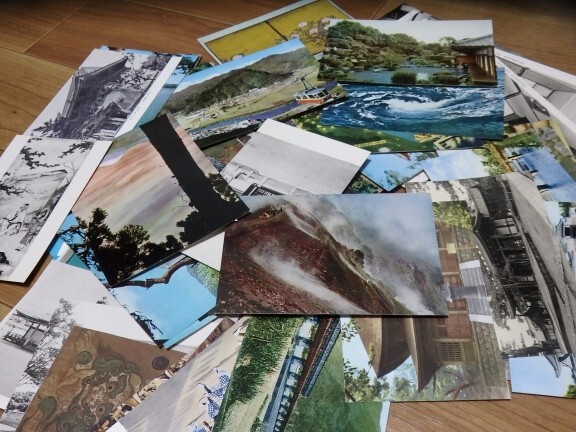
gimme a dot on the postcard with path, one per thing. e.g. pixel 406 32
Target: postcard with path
pixel 40 179
pixel 24 327
pixel 549 375
pixel 280 159
pixel 508 259
pixel 436 53
pixel 323 254
pixel 95 316
pixel 475 112
pixel 154 194
pixel 105 96
pixel 191 397
pixel 306 20
pixel 93 371
pixel 234 98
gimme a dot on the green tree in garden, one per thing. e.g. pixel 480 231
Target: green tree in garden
pixel 571 391
pixel 452 213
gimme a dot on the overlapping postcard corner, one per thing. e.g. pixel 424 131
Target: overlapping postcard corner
pixel 322 254
pixel 140 229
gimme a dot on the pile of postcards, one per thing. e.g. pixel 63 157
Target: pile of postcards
pixel 231 251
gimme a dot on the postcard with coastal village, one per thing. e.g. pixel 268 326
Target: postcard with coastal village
pixel 453 53
pixel 549 375
pixel 90 367
pixel 323 254
pixel 105 96
pixel 40 179
pixel 475 112
pixel 191 398
pixel 121 201
pixel 233 98
pixel 503 234
pixel 280 159
pixel 107 318
pixel 306 20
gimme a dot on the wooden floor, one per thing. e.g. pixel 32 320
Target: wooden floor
pixel 42 42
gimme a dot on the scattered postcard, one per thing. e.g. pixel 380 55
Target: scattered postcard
pixel 392 170
pixel 436 53
pixel 191 397
pixel 322 403
pixel 535 148
pixel 105 96
pixel 200 340
pixel 507 260
pixel 23 328
pixel 362 184
pixel 323 254
pixel 548 375
pixel 40 179
pixel 306 20
pixel 406 12
pixel 234 98
pixel 94 316
pixel 452 111
pixel 126 226
pixel 93 371
pixel 280 159
pixel 423 359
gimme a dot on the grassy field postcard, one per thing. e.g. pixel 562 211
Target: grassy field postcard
pixel 40 179
pixel 121 217
pixel 229 99
pixel 451 53
pixel 306 20
pixel 284 160
pixel 475 112
pixel 324 254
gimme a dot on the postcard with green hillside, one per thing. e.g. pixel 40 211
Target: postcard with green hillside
pixel 324 254
pixel 307 20
pixel 438 53
pixel 234 98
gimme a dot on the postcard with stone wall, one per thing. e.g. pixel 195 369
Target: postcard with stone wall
pixel 324 254
pixel 92 373
pixel 548 375
pixel 508 260
pixel 190 398
pixel 280 159
pixel 153 195
pixel 234 98
pixel 436 53
pixel 40 179
pixel 105 96
pixel 306 20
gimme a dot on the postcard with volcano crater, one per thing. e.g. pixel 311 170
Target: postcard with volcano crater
pixel 332 254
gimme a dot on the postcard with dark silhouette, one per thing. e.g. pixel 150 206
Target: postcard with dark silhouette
pixel 154 194
pixel 365 254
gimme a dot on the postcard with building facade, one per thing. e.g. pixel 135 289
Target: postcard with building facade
pixel 306 20
pixel 40 179
pixel 323 254
pixel 121 202
pixel 280 159
pixel 105 96
pixel 233 98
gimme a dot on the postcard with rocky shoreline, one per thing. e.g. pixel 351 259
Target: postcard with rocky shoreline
pixel 105 97
pixel 40 179
pixel 323 254
pixel 234 98
pixel 283 160
pixel 154 194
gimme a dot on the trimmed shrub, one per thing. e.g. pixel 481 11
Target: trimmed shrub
pixel 403 77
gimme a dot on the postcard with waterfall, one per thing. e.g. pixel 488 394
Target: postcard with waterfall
pixel 283 160
pixel 324 254
pixel 437 53
pixel 154 194
pixel 105 97
pixel 40 179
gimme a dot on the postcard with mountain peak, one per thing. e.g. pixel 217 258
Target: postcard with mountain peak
pixel 154 194
pixel 445 53
pixel 366 254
